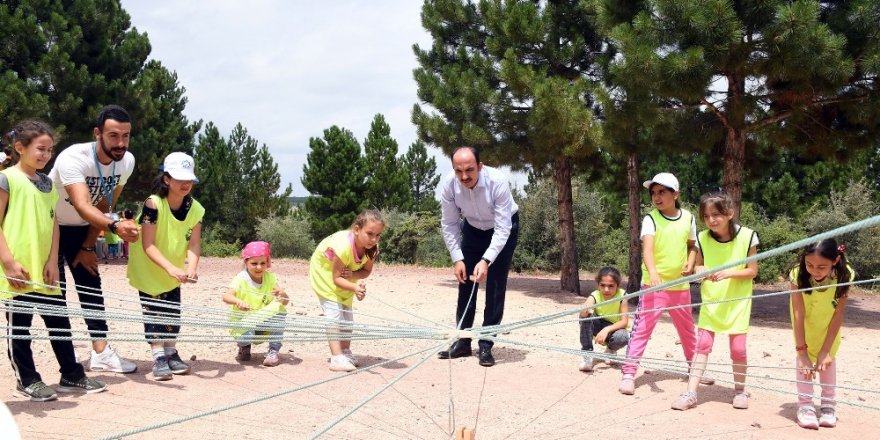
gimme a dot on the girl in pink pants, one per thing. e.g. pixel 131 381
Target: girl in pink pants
pixel 668 252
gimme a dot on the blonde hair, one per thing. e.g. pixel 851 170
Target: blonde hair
pixel 368 216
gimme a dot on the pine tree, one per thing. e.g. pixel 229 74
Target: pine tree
pixel 386 184
pixel 514 78
pixel 334 176
pixel 804 74
pixel 423 178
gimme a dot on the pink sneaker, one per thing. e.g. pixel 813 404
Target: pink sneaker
pixel 627 385
pixel 827 417
pixel 806 418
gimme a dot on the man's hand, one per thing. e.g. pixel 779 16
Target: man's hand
pixel 127 230
pixel 459 270
pixel 481 270
pixel 88 260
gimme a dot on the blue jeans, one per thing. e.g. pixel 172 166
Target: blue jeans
pixel 273 330
pixel 615 341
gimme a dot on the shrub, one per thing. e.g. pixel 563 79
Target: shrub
pixel 290 235
pixel 413 239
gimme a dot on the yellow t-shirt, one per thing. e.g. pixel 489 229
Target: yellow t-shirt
pixel 263 305
pixel 729 317
pixel 819 306
pixel 670 247
pixel 612 308
pixel 28 228
pixel 321 266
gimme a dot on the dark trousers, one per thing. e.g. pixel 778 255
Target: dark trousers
pixel 474 243
pixel 19 351
pixel 161 315
pixel 88 286
pixel 615 341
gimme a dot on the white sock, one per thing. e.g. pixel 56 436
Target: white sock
pixel 169 351
pixel 157 353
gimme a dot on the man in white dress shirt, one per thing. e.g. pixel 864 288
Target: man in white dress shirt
pixel 480 225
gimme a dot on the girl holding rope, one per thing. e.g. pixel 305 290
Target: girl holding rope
pixel 258 311
pixel 669 233
pixel 29 253
pixel 609 331
pixel 166 255
pixel 816 318
pixel 724 242
pixel 337 270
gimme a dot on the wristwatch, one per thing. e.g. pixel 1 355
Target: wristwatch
pixel 486 260
pixel 87 249
pixel 112 226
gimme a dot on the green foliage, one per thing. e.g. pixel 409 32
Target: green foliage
pixel 238 183
pixel 334 174
pixel 289 235
pixel 413 238
pixel 386 174
pixel 423 178
pixel 772 234
pixel 214 246
pixel 845 207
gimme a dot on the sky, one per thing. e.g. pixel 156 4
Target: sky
pixel 288 70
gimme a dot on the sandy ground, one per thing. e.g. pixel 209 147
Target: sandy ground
pixel 531 393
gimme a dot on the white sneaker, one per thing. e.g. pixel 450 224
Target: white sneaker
pixel 611 357
pixel 348 354
pixel 109 361
pixel 341 363
pixel 586 364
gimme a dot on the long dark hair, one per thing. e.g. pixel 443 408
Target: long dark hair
pixel 724 204
pixel 159 187
pixel 609 271
pixel 24 133
pixel 830 250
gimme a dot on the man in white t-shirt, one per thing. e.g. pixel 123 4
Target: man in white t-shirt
pixel 89 178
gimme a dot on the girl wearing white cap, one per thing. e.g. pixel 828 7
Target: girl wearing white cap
pixel 166 255
pixel 668 252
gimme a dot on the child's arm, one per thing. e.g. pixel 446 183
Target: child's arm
pixel 16 274
pixel 691 258
pixel 648 258
pixel 749 272
pixel 230 298
pixel 586 312
pixel 281 295
pixel 340 280
pixel 193 252
pixel 804 366
pixel 50 270
pixel 622 323
pixel 824 359
pixel 148 241
pixel 364 271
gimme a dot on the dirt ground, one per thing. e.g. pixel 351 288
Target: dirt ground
pixel 532 393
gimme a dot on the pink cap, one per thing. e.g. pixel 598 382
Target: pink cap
pixel 257 249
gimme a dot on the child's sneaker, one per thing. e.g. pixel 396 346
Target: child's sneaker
pixel 161 370
pixel 611 358
pixel 244 353
pixel 85 384
pixel 627 385
pixel 177 365
pixel 37 391
pixel 741 399
pixel 272 358
pixel 341 363
pixel 586 364
pixel 806 417
pixel 827 417
pixel 109 360
pixel 685 401
pixel 347 352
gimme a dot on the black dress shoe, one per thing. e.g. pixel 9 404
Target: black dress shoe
pixel 456 351
pixel 486 358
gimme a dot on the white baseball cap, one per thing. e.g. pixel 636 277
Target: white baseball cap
pixel 180 166
pixel 665 179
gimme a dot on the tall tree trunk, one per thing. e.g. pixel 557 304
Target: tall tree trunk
pixel 734 154
pixel 634 188
pixel 568 276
